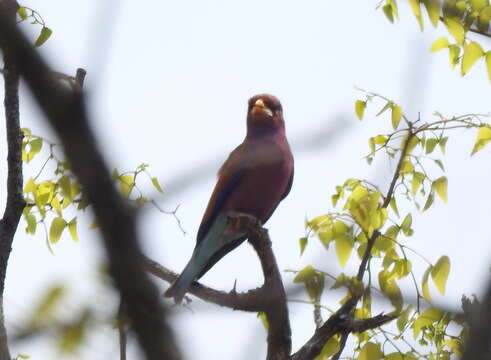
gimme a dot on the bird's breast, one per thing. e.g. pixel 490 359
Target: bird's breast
pixel 267 178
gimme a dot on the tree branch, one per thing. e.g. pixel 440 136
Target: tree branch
pixel 269 298
pixel 477 346
pixel 276 309
pixel 15 200
pixel 66 112
pixel 252 300
pixel 331 327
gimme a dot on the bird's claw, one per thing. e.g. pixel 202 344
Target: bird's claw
pixel 242 222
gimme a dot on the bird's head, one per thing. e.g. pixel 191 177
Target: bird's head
pixel 264 114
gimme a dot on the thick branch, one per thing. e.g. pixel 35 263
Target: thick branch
pixel 65 110
pixel 279 332
pixel 15 200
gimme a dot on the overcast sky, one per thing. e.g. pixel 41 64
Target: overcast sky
pixel 168 84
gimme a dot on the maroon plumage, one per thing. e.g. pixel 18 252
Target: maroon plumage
pixel 257 175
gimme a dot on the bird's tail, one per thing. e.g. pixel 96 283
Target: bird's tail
pixel 184 281
pixel 206 253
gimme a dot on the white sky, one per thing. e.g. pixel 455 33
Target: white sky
pixel 168 84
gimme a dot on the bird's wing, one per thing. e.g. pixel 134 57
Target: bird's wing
pixel 229 177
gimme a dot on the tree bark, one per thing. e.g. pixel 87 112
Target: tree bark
pixel 15 200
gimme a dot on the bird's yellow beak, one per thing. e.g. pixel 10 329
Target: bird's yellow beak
pixel 261 108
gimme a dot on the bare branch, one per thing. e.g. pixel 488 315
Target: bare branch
pixel 15 200
pixel 253 300
pixel 68 116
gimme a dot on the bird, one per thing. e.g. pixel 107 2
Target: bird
pixel 256 176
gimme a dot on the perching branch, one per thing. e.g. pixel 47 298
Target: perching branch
pixel 66 112
pixel 276 310
pixel 269 298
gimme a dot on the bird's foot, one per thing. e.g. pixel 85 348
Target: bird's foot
pixel 242 222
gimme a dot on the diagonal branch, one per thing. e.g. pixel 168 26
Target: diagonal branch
pixel 313 347
pixel 66 112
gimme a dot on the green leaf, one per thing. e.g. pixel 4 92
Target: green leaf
pixel 483 19
pixel 55 203
pixel 22 11
pixel 387 8
pixel 429 317
pixel 126 183
pixel 483 137
pixel 303 243
pixel 472 52
pixel 30 186
pixel 440 164
pixel 388 105
pixel 35 146
pixel 488 64
pixel 429 201
pixel 430 145
pixel 380 139
pixel 404 317
pixel 433 10
pixel 393 206
pixel 43 36
pixel 425 285
pixel 344 245
pixel 477 5
pixel 65 185
pixel 406 224
pixel 439 44
pixel 455 28
pixel 360 108
pixel 313 280
pixel 330 348
pixel 48 303
pixel 72 227
pixel 264 319
pixel 440 272
pixel 440 186
pixel 418 179
pixel 453 54
pixel 31 223
pixel 156 185
pixel 390 288
pixel 443 143
pixel 371 144
pixel 370 351
pixel 396 116
pixel 416 8
pixel 56 228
